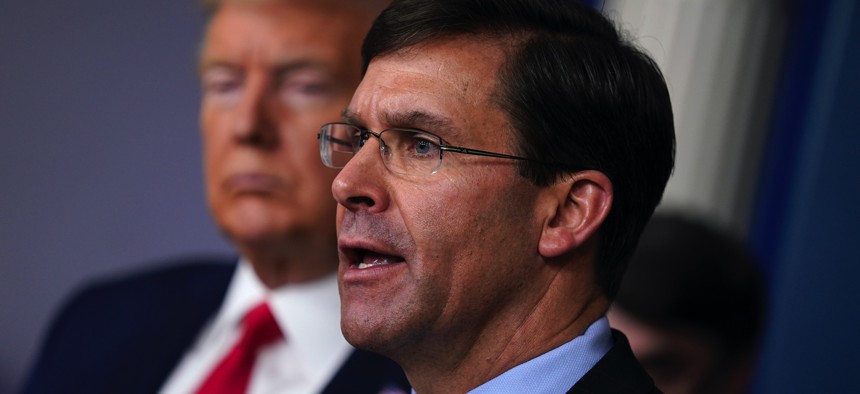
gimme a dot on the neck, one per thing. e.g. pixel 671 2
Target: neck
pixel 560 314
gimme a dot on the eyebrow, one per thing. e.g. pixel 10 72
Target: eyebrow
pixel 279 68
pixel 415 119
pixel 202 67
pixel 288 66
pixel 351 117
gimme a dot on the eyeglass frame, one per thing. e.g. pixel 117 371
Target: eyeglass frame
pixel 442 147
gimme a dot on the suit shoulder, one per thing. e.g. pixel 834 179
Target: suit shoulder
pixel 133 324
pixel 143 290
pixel 172 274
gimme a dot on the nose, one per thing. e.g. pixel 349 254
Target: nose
pixel 255 116
pixel 360 185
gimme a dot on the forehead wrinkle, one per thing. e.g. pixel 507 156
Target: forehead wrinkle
pixel 277 62
pixel 422 120
pixel 280 50
pixel 414 119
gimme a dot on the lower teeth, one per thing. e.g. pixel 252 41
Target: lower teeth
pixel 363 265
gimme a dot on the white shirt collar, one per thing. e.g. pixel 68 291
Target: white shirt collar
pixel 308 314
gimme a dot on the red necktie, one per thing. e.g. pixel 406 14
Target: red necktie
pixel 232 375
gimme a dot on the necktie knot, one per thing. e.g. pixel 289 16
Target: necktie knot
pixel 259 328
pixel 233 373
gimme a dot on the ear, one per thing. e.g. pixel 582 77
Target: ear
pixel 583 202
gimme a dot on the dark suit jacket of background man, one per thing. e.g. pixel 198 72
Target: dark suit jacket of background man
pixel 127 335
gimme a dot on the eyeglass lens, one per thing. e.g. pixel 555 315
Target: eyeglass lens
pixel 403 151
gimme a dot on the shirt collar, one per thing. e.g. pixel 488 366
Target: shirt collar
pixel 308 313
pixel 557 370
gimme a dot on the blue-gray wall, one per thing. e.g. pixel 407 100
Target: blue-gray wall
pixel 99 152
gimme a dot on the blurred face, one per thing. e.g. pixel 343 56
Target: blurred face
pixel 272 73
pixel 427 261
pixel 680 361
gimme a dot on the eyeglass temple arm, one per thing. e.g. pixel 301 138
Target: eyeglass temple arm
pixel 481 153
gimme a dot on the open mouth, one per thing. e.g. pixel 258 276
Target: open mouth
pixel 365 258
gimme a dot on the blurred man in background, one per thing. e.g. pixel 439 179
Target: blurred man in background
pixel 272 71
pixel 692 304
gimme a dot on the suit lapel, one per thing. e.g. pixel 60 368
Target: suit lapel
pixel 171 317
pixel 617 372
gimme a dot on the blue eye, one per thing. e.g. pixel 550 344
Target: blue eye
pixel 420 146
pixel 423 147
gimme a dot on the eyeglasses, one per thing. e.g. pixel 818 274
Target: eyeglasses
pixel 404 151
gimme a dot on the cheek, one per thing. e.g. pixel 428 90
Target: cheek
pixel 317 197
pixel 301 160
pixel 448 224
pixel 463 210
pixel 211 162
pixel 429 213
pixel 474 222
pixel 213 138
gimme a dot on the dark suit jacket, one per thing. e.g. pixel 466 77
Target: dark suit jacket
pixel 127 335
pixel 617 372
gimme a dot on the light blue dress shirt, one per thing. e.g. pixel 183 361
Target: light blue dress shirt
pixel 557 370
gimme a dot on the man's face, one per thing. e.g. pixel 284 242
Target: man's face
pixel 448 252
pixel 272 73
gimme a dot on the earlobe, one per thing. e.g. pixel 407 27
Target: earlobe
pixel 583 201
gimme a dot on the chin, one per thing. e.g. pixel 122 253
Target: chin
pixel 361 323
pixel 377 329
pixel 253 224
pixel 361 336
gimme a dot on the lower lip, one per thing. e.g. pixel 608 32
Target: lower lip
pixel 354 275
